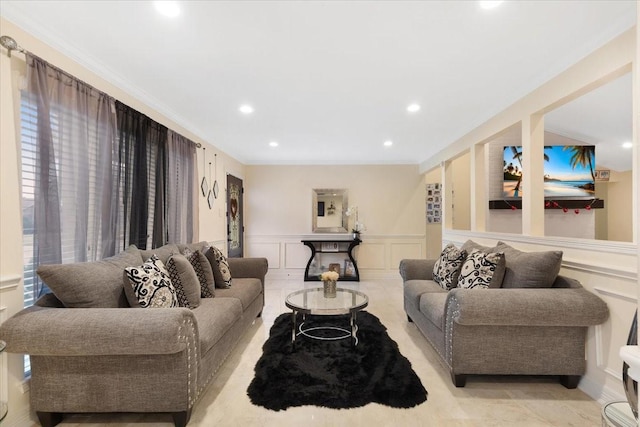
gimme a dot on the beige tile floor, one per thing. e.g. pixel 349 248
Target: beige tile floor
pixel 485 401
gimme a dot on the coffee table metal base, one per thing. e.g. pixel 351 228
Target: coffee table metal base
pixel 311 332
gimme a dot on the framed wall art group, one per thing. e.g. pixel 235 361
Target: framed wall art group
pixel 434 203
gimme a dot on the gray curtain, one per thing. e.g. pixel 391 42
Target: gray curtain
pixel 106 175
pixel 180 178
pixel 73 196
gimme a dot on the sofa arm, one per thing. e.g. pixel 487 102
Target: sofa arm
pixel 47 331
pixel 249 268
pixel 417 269
pixel 526 307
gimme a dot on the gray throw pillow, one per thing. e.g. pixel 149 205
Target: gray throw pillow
pixel 151 285
pixel 184 279
pixel 447 268
pixel 204 272
pixel 482 270
pixel 530 269
pixel 163 252
pixel 96 284
pixel 470 245
pixel 220 267
pixel 200 246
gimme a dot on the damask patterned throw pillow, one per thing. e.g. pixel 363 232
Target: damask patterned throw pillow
pixel 149 285
pixel 447 268
pixel 203 270
pixel 482 270
pixel 220 267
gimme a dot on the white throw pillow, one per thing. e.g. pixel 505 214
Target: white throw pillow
pixel 447 267
pixel 482 270
pixel 151 285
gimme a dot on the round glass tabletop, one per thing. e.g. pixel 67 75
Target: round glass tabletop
pixel 313 301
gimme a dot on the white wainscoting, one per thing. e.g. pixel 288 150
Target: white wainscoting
pixel 378 256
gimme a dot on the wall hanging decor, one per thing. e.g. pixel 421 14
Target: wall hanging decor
pixel 210 198
pixel 215 176
pixel 434 203
pixel 203 185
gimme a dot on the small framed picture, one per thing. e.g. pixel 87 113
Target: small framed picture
pixel 329 247
pixel 603 174
pixel 349 270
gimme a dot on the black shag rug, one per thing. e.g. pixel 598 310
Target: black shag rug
pixel 334 374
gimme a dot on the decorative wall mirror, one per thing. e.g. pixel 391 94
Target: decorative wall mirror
pixel 329 210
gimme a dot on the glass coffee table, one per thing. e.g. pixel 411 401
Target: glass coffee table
pixel 313 302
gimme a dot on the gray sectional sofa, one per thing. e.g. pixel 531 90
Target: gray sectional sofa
pixel 97 357
pixel 534 322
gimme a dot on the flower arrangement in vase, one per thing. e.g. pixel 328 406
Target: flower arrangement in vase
pixel 329 279
pixel 358 227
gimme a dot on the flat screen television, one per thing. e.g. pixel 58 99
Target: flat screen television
pixel 569 172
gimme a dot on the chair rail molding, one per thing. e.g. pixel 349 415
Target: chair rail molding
pixel 9 282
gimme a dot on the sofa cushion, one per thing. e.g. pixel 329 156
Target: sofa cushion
pixel 246 290
pixel 215 316
pixel 529 269
pixel 413 290
pixel 203 270
pixel 220 267
pixel 149 285
pixel 96 284
pixel 447 267
pixel 432 305
pixel 184 279
pixel 482 270
pixel 163 252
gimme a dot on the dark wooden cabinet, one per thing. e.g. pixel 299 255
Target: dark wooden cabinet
pixel 327 253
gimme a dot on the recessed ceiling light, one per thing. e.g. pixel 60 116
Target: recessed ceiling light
pixel 489 4
pixel 627 145
pixel 167 8
pixel 246 109
pixel 273 144
pixel 388 143
pixel 413 108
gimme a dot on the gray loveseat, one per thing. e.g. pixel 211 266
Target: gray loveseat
pixel 505 330
pixel 119 359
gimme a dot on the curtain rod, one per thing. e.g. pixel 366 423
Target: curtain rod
pixel 10 44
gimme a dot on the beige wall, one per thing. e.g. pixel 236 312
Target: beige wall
pixel 390 201
pixel 619 212
pixel 461 193
pixel 212 223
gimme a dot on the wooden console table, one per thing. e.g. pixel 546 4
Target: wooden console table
pixel 325 252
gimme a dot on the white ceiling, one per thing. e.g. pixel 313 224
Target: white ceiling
pixel 329 80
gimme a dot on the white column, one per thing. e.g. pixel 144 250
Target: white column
pixel 533 175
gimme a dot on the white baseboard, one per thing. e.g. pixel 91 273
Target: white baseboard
pixel 599 393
